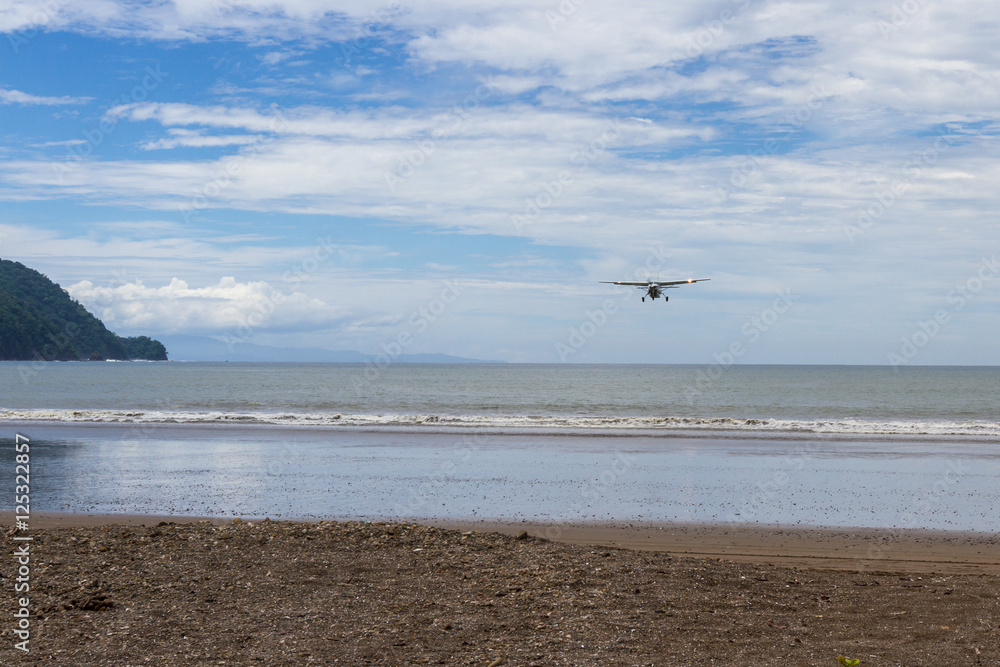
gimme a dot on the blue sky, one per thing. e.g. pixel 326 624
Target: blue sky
pixel 318 174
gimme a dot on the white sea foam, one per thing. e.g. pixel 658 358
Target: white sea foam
pixel 829 426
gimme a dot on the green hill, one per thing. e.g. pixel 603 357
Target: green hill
pixel 39 320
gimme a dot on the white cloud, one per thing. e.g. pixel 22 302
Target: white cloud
pixel 230 306
pixel 259 21
pixel 754 53
pixel 66 142
pixel 276 57
pixel 339 162
pixel 191 139
pixel 8 96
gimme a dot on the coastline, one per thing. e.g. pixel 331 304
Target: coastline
pixel 847 549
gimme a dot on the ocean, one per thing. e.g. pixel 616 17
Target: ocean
pixel 963 401
pixel 560 445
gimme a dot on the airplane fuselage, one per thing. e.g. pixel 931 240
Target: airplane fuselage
pixel 655 292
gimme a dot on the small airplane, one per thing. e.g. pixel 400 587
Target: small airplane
pixel 654 288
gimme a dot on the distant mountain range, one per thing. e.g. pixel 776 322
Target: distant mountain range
pixel 40 321
pixel 205 348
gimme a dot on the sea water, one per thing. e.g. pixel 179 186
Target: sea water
pixel 820 399
pixel 560 444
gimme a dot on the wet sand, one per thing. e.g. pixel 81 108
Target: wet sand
pixel 852 549
pixel 544 477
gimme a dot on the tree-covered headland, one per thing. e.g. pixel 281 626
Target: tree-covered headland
pixel 40 321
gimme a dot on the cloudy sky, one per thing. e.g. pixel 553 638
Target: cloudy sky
pixel 459 176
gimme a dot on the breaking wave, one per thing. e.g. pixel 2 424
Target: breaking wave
pixel 829 426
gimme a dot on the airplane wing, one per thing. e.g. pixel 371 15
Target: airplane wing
pixel 623 282
pixel 682 282
pixel 654 282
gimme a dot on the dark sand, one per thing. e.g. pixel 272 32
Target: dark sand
pixel 854 549
pixel 126 590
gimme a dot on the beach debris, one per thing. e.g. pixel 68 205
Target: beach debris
pixel 95 602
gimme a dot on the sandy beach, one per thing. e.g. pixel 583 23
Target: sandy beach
pixel 854 549
pixel 127 590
